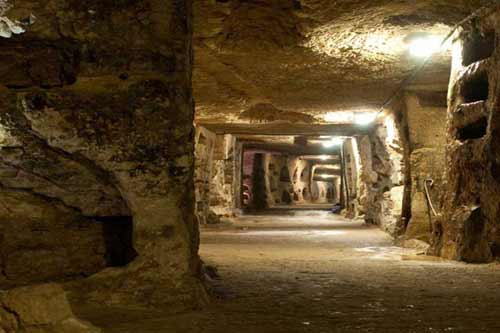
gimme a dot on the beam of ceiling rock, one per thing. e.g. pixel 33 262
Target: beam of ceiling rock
pixel 284 128
pixel 296 150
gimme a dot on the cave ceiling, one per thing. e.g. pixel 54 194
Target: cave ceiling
pixel 296 60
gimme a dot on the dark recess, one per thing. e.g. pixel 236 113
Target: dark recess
pixel 284 175
pixel 259 197
pixel 475 130
pixel 478 47
pixel 118 236
pixel 286 198
pixel 476 88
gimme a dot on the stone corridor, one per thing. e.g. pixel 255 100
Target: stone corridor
pixel 249 166
pixel 311 271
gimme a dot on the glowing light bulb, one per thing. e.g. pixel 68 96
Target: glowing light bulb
pixel 424 47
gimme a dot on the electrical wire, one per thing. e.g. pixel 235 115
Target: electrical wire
pixel 478 13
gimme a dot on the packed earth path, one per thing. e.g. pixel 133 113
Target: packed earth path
pixel 312 271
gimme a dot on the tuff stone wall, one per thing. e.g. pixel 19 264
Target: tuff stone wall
pixel 469 227
pixel 221 186
pixel 352 183
pixel 426 121
pixel 258 179
pixel 204 151
pixel 288 180
pixel 39 309
pixel 95 125
pixel 325 192
pixel 381 191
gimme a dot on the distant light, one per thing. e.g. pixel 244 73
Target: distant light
pixel 338 117
pixel 333 142
pixel 365 118
pixel 360 116
pixel 323 157
pixel 424 47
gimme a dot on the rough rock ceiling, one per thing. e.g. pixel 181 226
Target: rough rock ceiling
pixel 303 58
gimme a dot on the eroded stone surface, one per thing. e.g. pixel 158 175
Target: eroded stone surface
pixel 96 124
pixel 469 229
pixel 39 309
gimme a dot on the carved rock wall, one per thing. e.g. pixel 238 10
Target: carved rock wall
pixel 39 309
pixel 426 120
pixel 381 191
pixel 96 124
pixel 221 186
pixel 204 154
pixel 469 228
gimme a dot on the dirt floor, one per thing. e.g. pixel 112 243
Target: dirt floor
pixel 311 271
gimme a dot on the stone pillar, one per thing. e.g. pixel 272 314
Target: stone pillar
pixel 102 91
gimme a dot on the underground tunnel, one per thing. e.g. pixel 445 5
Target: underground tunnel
pixel 249 166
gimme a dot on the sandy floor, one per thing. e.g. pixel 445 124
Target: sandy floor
pixel 313 272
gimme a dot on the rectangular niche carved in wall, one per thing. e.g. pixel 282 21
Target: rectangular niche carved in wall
pixel 478 46
pixel 476 88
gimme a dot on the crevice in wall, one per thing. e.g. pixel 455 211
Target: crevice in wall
pixel 476 88
pixel 118 236
pixel 63 243
pixel 474 130
pixel 284 175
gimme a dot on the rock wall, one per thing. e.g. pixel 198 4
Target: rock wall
pixel 279 181
pixel 96 125
pixel 204 151
pixel 325 192
pixel 288 180
pixel 469 228
pixel 381 191
pixel 221 186
pixel 426 120
pixel 352 179
pixel 39 309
